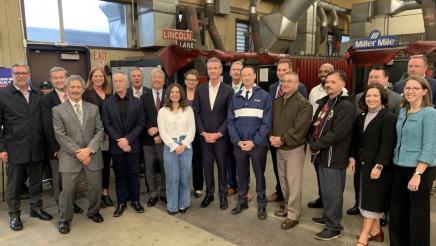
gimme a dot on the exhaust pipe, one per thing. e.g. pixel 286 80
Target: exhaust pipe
pixel 254 23
pixel 211 28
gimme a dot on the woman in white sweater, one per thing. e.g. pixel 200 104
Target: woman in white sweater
pixel 176 125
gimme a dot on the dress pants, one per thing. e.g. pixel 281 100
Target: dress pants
pixel 276 172
pixel 231 168
pixel 409 223
pixel 210 153
pixel 126 169
pixel 290 165
pixel 178 172
pixel 56 180
pixel 69 188
pixel 152 154
pixel 16 175
pixel 332 184
pixel 197 167
pixel 258 159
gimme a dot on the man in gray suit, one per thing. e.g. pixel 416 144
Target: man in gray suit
pixel 79 132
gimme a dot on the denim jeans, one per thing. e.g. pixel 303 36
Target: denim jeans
pixel 177 176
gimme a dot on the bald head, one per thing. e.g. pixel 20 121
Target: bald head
pixel 324 69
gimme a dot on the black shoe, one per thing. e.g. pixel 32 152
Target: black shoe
pixel 239 207
pixel 119 210
pixel 326 235
pixel 15 223
pixel 171 213
pixel 353 211
pixel 183 210
pixel 40 214
pixel 206 201
pixel 261 213
pixel 197 193
pixel 319 221
pixel 64 227
pixel 151 201
pixel 384 221
pixel 315 204
pixel 164 199
pixel 106 199
pixel 96 217
pixel 77 209
pixel 138 207
pixel 224 204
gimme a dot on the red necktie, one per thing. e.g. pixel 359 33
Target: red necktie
pixel 280 91
pixel 157 101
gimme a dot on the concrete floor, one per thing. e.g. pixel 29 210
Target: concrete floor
pixel 199 226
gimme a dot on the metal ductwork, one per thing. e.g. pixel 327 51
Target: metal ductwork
pixel 337 36
pixel 193 24
pixel 398 6
pixel 429 13
pixel 254 24
pixel 323 24
pixel 279 29
pixel 331 6
pixel 153 16
pixel 211 27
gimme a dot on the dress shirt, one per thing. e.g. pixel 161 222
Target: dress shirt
pixel 244 92
pixel 63 96
pixel 213 91
pixel 137 93
pixel 26 93
pixel 173 125
pixel 79 115
pixel 160 95
pixel 236 87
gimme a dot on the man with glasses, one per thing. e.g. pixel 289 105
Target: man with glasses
pixel 22 144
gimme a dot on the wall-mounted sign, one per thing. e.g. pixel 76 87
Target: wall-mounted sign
pixel 186 44
pixel 376 40
pixel 5 77
pixel 175 34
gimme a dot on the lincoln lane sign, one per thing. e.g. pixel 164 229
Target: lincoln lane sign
pixel 376 40
pixel 174 34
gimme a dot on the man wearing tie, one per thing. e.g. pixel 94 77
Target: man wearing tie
pixel 152 143
pixel 136 79
pixel 210 105
pixel 22 144
pixel 79 132
pixel 123 119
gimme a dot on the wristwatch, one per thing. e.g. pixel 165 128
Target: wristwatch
pixel 417 173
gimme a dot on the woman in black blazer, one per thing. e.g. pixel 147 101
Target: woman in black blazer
pixel 98 89
pixel 372 147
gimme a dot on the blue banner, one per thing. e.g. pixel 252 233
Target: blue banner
pixel 5 77
pixel 376 40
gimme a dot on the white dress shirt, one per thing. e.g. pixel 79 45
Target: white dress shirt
pixel 213 91
pixel 244 91
pixel 173 125
pixel 236 87
pixel 63 96
pixel 137 93
pixel 160 95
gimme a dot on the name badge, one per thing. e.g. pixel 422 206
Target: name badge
pixel 257 100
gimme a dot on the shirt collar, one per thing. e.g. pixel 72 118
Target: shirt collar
pixel 217 85
pixel 238 85
pixel 154 91
pixel 119 98
pixel 19 89
pixel 74 103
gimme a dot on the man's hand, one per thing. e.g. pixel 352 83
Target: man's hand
pixel 122 142
pixel 249 145
pixel 82 154
pixel 352 164
pixel 276 141
pixel 127 149
pixel 211 137
pixel 157 140
pixel 56 155
pixel 180 149
pixel 152 131
pixel 4 156
pixel 86 161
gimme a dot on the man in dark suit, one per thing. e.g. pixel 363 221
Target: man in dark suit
pixel 123 120
pixel 59 95
pixel 284 65
pixel 210 105
pixel 417 65
pixel 22 144
pixel 79 132
pixel 152 101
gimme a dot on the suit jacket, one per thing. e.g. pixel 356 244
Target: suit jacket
pixel 71 136
pixel 215 120
pixel 21 134
pixel 114 127
pixel 47 103
pixel 273 90
pixel 150 112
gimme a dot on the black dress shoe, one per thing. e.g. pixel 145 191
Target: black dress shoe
pixel 151 201
pixel 183 210
pixel 15 223
pixel 40 214
pixel 138 207
pixel 261 213
pixel 206 201
pixel 119 210
pixel 106 199
pixel 315 204
pixel 197 193
pixel 77 209
pixel 171 213
pixel 239 207
pixel 64 227
pixel 384 221
pixel 96 217
pixel 224 204
pixel 353 211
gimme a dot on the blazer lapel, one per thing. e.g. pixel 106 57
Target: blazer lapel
pixel 85 112
pixel 373 121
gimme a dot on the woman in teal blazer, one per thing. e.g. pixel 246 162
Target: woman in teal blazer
pixel 414 159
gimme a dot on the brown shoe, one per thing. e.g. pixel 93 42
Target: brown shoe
pixel 281 213
pixel 289 224
pixel 249 196
pixel 282 205
pixel 379 237
pixel 231 191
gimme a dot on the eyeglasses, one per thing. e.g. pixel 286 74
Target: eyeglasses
pixel 20 73
pixel 192 80
pixel 412 88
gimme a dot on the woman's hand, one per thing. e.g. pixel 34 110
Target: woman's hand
pixel 414 183
pixel 180 149
pixel 375 173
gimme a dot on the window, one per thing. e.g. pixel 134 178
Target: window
pixel 242 36
pixel 84 22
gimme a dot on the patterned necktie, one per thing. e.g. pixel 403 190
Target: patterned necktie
pixel 279 91
pixel 79 113
pixel 235 89
pixel 65 97
pixel 157 101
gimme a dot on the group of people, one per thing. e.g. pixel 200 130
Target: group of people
pixel 185 130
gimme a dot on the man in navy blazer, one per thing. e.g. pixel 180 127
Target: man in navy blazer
pixel 210 105
pixel 284 65
pixel 417 65
pixel 123 120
